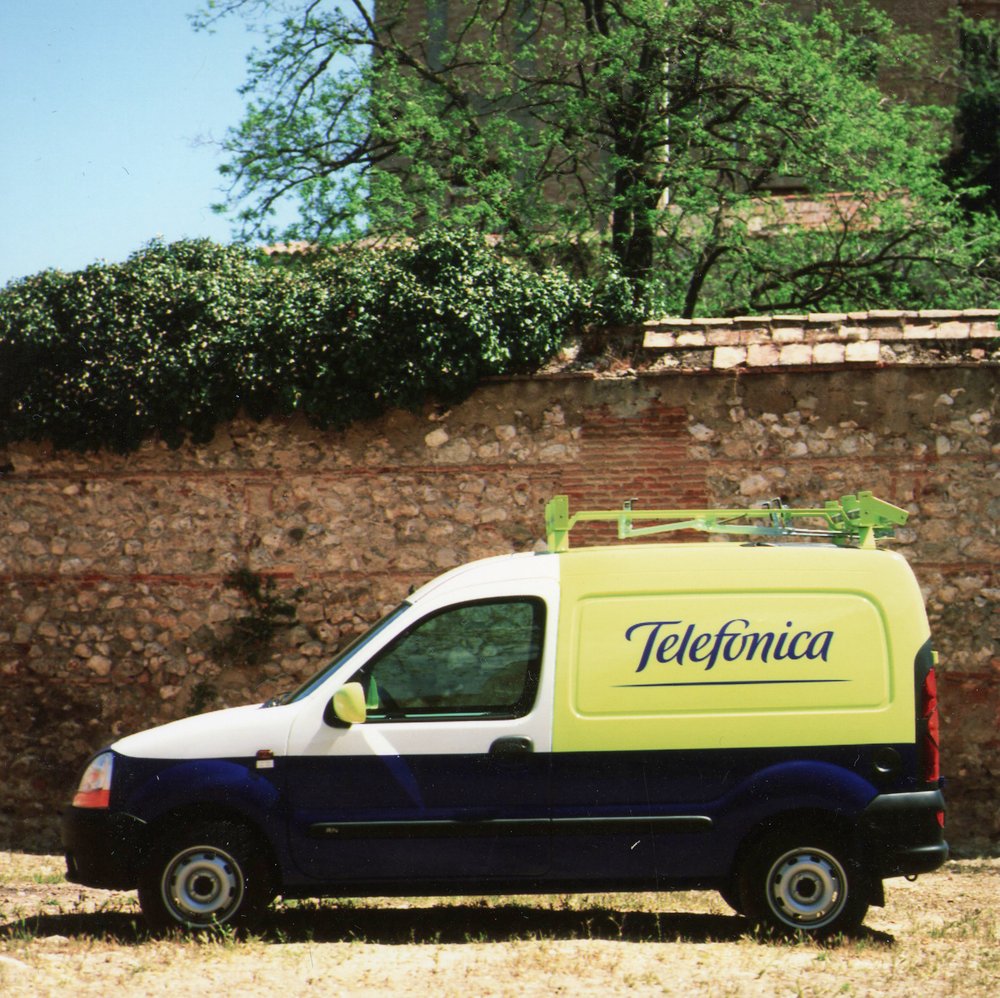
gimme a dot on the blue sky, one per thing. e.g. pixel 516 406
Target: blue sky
pixel 108 111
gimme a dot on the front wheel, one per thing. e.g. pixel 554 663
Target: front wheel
pixel 804 883
pixel 209 876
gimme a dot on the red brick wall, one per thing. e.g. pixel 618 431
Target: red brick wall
pixel 642 454
pixel 112 603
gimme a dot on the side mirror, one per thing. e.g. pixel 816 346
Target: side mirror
pixel 349 704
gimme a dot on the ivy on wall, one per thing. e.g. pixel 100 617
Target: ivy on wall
pixel 181 337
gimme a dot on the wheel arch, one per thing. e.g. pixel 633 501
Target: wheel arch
pixel 188 791
pixel 803 820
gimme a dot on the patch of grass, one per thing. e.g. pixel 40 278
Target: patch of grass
pixel 938 936
pixel 48 878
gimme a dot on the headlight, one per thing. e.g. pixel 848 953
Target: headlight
pixel 95 784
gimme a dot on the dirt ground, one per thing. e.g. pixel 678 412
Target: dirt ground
pixel 937 936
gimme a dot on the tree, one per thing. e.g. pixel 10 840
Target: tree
pixel 650 129
pixel 974 165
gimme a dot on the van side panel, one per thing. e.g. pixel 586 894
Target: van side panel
pixel 691 648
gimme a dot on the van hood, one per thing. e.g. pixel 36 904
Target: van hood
pixel 237 732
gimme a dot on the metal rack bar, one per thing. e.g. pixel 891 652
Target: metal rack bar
pixel 853 519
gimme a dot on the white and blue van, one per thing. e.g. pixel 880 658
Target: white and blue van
pixel 755 718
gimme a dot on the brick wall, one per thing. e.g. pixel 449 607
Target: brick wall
pixel 114 615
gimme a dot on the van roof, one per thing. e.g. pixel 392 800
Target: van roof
pixel 691 565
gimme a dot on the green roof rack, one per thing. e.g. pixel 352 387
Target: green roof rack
pixel 854 519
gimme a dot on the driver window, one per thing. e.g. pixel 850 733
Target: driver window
pixel 473 660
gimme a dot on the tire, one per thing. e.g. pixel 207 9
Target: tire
pixel 208 876
pixel 804 883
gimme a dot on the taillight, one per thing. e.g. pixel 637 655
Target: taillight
pixel 95 784
pixel 932 732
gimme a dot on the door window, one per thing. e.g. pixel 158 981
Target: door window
pixel 472 660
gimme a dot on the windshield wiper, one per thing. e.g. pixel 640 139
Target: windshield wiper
pixel 278 699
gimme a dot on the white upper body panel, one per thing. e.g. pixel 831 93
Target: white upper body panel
pixel 300 728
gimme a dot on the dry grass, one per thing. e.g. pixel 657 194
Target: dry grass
pixel 938 936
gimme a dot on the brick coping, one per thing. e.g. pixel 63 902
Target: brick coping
pixel 878 336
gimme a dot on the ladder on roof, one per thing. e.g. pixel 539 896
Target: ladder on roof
pixel 854 519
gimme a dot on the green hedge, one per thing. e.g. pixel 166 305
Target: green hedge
pixel 181 337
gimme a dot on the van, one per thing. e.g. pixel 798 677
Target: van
pixel 757 718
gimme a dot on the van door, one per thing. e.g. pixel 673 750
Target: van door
pixel 448 777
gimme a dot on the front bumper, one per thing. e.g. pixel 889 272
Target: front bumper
pixel 904 834
pixel 103 848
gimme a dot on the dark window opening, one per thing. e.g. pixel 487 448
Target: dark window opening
pixel 477 659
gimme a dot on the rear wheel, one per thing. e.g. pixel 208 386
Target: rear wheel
pixel 804 882
pixel 207 876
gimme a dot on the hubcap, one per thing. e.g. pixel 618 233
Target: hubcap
pixel 202 886
pixel 806 887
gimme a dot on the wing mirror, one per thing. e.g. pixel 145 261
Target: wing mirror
pixel 348 704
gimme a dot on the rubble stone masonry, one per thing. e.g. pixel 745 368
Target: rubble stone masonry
pixel 114 612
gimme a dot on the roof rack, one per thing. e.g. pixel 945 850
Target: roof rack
pixel 854 519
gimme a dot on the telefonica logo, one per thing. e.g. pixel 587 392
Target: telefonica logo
pixel 672 641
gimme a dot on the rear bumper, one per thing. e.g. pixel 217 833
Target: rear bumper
pixel 904 833
pixel 103 849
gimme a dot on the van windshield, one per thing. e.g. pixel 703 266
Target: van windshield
pixel 342 656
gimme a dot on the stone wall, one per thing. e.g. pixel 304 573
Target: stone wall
pixel 115 615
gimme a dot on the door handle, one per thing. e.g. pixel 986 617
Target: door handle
pixel 512 745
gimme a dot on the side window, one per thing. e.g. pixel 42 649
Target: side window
pixel 473 660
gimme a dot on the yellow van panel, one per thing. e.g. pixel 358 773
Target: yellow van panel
pixel 682 654
pixel 730 646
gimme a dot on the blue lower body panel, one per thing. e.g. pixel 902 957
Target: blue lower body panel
pixel 533 822
pixel 595 821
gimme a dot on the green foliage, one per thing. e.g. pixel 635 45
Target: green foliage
pixel 252 633
pixel 656 128
pixel 975 163
pixel 168 343
pixel 181 337
pixel 203 695
pixel 444 316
